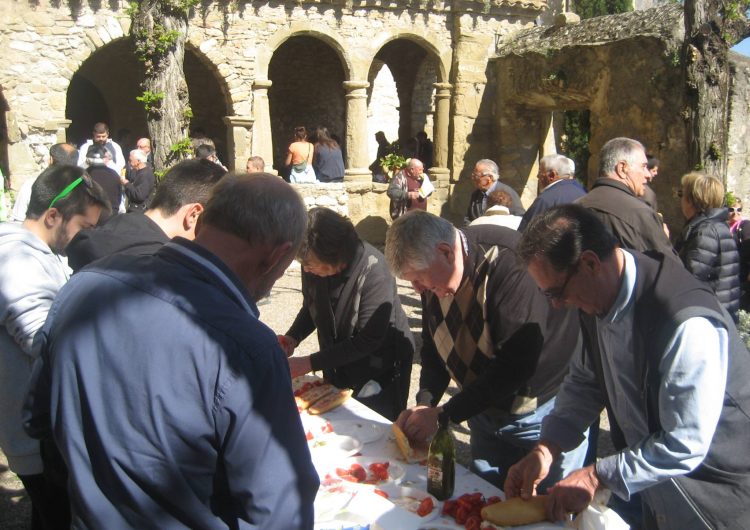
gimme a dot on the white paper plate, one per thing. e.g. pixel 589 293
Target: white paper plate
pixel 409 499
pixel 365 431
pixel 330 500
pixel 335 446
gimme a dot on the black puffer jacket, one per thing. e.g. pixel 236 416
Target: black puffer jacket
pixel 708 250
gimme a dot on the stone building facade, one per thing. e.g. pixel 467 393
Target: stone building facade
pixel 476 75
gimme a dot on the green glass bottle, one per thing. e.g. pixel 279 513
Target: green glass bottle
pixel 441 461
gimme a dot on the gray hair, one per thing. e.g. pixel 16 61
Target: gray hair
pixel 562 165
pixel 139 155
pixel 490 167
pixel 412 238
pixel 615 151
pixel 260 209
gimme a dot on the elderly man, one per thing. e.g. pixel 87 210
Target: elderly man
pixel 616 195
pixel 404 189
pixel 100 135
pixel 255 164
pixel 658 350
pixel 173 403
pixel 174 211
pixel 63 201
pixel 144 144
pixel 485 179
pixel 486 326
pixel 558 184
pixel 138 190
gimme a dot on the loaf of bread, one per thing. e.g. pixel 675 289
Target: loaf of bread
pixel 329 401
pixel 402 442
pixel 516 511
pixel 307 398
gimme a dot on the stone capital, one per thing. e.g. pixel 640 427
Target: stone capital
pixel 238 121
pixel 354 86
pixel 262 84
pixel 55 125
pixel 442 90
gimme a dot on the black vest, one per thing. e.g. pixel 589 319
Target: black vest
pixel 665 296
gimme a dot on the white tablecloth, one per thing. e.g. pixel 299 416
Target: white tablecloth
pixel 381 514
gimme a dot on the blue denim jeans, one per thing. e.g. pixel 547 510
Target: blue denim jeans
pixel 498 443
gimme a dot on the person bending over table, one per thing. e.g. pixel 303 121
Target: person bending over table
pixel 350 297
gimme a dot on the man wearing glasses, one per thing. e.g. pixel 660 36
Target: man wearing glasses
pixel 666 361
pixel 485 179
pixel 63 201
pixel 615 198
pixel 486 326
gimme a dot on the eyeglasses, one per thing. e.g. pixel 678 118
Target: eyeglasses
pixel 477 176
pixel 733 210
pixel 69 189
pixel 558 293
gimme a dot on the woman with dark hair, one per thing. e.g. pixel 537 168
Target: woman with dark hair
pixel 329 162
pixel 706 246
pixel 300 158
pixel 349 296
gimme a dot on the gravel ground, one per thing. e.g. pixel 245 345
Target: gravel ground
pixel 278 312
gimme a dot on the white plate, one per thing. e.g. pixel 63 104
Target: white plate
pixel 335 445
pixel 396 471
pixel 365 431
pixel 331 499
pixel 409 499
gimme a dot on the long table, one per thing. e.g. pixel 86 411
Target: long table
pixel 365 506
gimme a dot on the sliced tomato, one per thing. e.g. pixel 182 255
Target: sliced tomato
pixel 449 507
pixel 462 514
pixel 327 427
pixel 381 493
pixel 359 472
pixel 474 522
pixel 309 436
pixel 425 507
pixel 380 470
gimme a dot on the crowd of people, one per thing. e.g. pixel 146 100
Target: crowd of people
pixel 145 390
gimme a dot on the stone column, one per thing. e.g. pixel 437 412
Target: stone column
pixel 356 132
pixel 239 134
pixel 440 171
pixel 262 139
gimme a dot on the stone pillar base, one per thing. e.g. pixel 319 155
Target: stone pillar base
pixel 357 174
pixel 440 176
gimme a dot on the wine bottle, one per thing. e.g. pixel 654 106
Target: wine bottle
pixel 441 461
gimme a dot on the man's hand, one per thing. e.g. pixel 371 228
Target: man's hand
pixel 299 365
pixel 526 474
pixel 287 343
pixel 419 423
pixel 573 493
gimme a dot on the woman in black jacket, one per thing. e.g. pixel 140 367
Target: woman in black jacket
pixel 706 246
pixel 349 296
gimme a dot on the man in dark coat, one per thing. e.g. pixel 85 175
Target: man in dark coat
pixel 615 198
pixel 485 178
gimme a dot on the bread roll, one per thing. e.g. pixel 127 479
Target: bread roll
pixel 314 394
pixel 329 401
pixel 516 511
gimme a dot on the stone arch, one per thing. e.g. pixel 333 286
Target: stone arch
pixel 307 76
pixel 407 66
pixel 426 42
pixel 210 99
pixel 297 29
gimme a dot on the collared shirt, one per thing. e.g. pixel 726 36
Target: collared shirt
pixel 693 378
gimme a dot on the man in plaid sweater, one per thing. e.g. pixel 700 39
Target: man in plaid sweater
pixel 487 326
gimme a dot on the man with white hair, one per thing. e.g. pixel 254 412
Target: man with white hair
pixel 138 190
pixel 616 195
pixel 485 179
pixel 558 184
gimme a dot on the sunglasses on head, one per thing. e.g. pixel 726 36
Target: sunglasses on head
pixel 69 189
pixel 733 209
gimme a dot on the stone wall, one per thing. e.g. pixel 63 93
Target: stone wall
pixel 738 170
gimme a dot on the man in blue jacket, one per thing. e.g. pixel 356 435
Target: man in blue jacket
pixel 170 402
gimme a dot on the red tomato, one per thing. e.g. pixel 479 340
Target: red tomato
pixel 425 507
pixel 358 472
pixel 327 427
pixel 449 507
pixel 462 514
pixel 473 522
pixel 309 436
pixel 381 493
pixel 380 470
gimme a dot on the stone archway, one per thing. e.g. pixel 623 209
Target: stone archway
pixel 209 101
pixel 104 89
pixel 307 78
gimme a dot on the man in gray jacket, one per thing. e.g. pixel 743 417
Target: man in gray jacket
pixel 63 201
